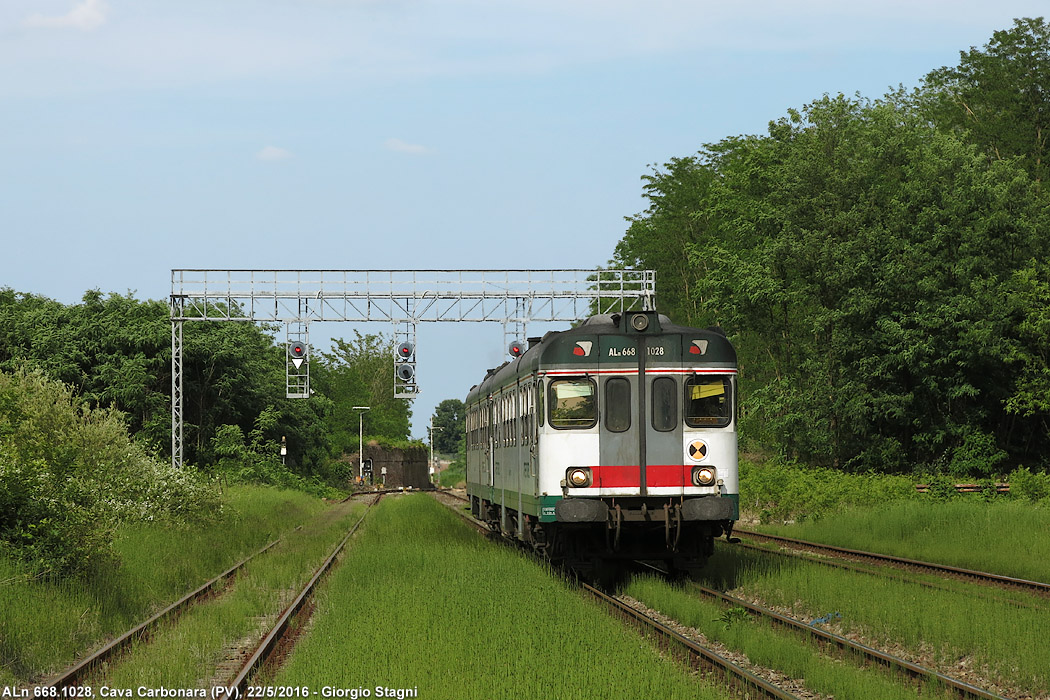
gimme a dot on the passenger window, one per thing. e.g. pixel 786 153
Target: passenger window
pixel 617 405
pixel 539 402
pixel 572 403
pixel 708 401
pixel 665 404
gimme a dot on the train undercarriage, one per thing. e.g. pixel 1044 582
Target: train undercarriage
pixel 609 534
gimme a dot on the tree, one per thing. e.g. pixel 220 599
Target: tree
pixel 450 416
pixel 658 238
pixel 115 351
pixel 999 96
pixel 360 373
pixel 861 261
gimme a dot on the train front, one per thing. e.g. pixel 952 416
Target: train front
pixel 640 443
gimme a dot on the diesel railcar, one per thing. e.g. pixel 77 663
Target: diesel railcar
pixel 614 440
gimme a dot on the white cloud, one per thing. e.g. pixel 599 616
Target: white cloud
pixel 399 146
pixel 273 153
pixel 85 16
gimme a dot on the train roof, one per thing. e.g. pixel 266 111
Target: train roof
pixel 575 346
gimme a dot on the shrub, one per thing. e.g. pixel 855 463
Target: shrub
pixel 1026 484
pixel 69 474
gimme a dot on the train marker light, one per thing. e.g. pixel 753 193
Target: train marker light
pixel 405 350
pixel 580 477
pixel 703 476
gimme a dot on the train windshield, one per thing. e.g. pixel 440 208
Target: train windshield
pixel 708 401
pixel 572 403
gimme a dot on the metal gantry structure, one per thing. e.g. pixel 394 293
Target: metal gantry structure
pixel 403 298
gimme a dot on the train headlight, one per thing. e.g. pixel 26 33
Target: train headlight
pixel 703 476
pixel 579 477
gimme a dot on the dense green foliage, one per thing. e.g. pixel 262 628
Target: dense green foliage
pixel 883 278
pixel 116 352
pixel 69 475
pixel 110 359
pixel 450 417
pixel 360 373
pixel 780 491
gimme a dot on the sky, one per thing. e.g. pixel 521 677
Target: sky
pixel 141 136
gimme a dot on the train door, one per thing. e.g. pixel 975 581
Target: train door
pixel 663 425
pixel 619 445
pixel 489 466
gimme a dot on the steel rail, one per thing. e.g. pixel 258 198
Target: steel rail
pixel 747 683
pixel 272 638
pixel 73 675
pixel 980 576
pixel 743 680
pixel 960 688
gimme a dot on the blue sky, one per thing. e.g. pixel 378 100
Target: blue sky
pixel 137 136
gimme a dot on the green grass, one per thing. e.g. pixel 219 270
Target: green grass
pixel 773 648
pixel 188 653
pixel 422 602
pixel 46 625
pixel 1004 537
pixel 962 623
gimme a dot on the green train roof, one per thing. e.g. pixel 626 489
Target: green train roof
pixel 610 340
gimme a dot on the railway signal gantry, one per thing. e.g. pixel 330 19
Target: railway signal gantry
pixel 403 298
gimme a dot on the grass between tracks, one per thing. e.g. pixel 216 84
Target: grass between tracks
pixel 773 648
pixel 964 628
pixel 190 653
pixel 46 625
pixel 423 602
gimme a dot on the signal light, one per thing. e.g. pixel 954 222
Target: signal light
pixel 405 350
pixel 516 349
pixel 297 351
pixel 406 372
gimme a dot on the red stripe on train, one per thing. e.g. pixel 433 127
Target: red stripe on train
pixel 610 476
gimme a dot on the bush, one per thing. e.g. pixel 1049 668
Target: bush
pixel 1026 484
pixel 70 474
pixel 779 490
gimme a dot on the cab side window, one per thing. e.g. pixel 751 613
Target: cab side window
pixel 708 401
pixel 572 403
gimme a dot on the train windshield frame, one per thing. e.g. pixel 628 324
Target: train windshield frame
pixel 572 403
pixel 709 400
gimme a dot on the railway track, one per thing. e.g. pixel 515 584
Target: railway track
pixel 825 639
pixel 77 674
pixel 982 577
pixel 237 686
pixel 691 654
pixel 745 682
pixel 74 675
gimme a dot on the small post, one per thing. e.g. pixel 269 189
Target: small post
pixel 361 440
pixel 433 465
